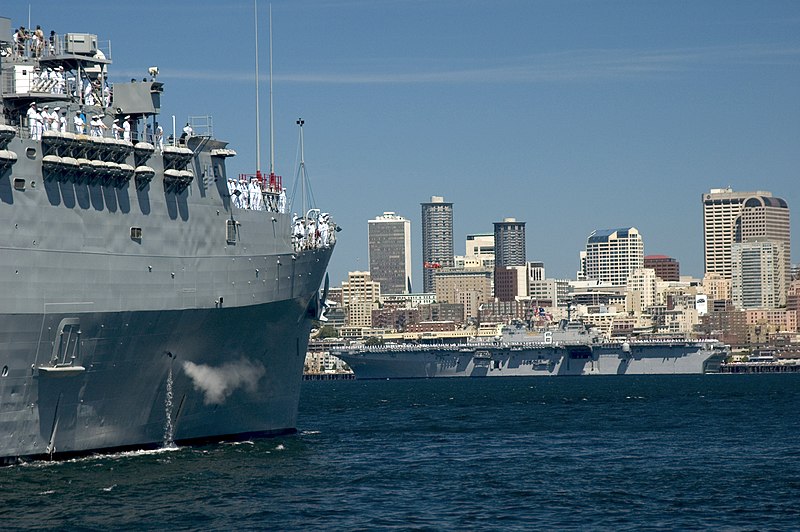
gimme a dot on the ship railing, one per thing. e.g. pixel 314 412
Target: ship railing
pixel 51 47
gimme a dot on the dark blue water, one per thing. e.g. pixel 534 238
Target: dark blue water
pixel 582 453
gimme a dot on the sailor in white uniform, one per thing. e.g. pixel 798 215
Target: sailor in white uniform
pixel 80 125
pixel 33 127
pixel 232 190
pixel 323 229
pixel 282 201
pixel 126 128
pixel 55 121
pixel 256 201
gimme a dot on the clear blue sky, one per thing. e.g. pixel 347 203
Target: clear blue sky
pixel 572 115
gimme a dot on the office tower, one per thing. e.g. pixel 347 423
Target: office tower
pixel 758 280
pixel 437 239
pixel 767 218
pixel 468 286
pixel 390 253
pixel 613 254
pixel 724 223
pixel 509 243
pixel 666 268
pixel 360 296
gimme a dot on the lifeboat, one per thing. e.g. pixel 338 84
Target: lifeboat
pixel 51 166
pixel 144 174
pixel 177 157
pixel 7 158
pixel 6 134
pixel 223 152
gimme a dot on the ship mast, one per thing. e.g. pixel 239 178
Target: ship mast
pixel 271 129
pixel 258 113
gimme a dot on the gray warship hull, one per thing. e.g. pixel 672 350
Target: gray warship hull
pixel 506 361
pixel 140 304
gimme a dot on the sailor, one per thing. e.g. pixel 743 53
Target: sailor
pixel 94 128
pixel 256 200
pixel 60 81
pixel 31 114
pixel 297 232
pixel 232 189
pixel 52 42
pixel 187 130
pixel 55 122
pixel 80 124
pixel 126 128
pixel 160 137
pixel 38 40
pixel 45 114
pixel 282 201
pixel 19 39
pixel 323 229
pixel 62 121
pixel 116 129
pixel 245 197
pixel 238 201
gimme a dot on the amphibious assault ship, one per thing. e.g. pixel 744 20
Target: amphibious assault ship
pixel 147 297
pixel 570 349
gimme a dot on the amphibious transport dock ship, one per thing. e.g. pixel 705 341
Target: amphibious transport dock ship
pixel 146 296
pixel 569 350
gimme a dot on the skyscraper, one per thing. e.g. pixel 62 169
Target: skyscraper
pixel 437 238
pixel 757 280
pixel 724 223
pixel 509 243
pixel 390 253
pixel 613 254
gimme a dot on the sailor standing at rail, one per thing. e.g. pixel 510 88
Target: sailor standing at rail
pixel 126 128
pixel 62 121
pixel 80 125
pixel 160 138
pixel 323 229
pixel 94 126
pixel 116 129
pixel 31 114
pixel 232 190
pixel 282 201
pixel 256 199
pixel 55 122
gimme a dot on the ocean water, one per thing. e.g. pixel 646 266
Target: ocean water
pixel 706 452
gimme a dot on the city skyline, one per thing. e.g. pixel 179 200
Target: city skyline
pixel 572 116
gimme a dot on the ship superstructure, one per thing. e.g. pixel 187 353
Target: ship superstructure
pixel 147 296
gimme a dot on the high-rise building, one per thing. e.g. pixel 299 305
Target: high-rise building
pixel 767 218
pixel 360 296
pixel 437 239
pixel 468 286
pixel 666 268
pixel 725 222
pixel 758 280
pixel 390 253
pixel 613 254
pixel 509 243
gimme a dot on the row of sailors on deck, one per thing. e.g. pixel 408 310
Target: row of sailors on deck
pixel 311 234
pixel 43 119
pixel 248 195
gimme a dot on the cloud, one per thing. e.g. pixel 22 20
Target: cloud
pixel 572 65
pixel 218 383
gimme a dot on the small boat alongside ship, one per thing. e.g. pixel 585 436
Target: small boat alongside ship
pixel 570 349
